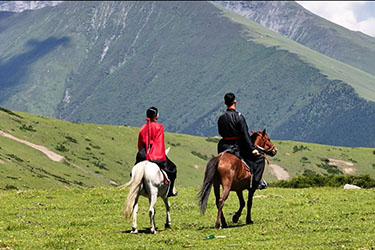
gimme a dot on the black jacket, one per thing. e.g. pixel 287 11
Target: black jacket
pixel 232 125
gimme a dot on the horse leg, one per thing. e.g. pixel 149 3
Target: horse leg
pixel 168 216
pixel 237 215
pixel 152 198
pixel 135 210
pixel 217 197
pixel 220 204
pixel 249 205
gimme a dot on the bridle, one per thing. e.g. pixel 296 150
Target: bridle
pixel 268 147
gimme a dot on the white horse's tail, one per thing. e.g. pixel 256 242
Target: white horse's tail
pixel 135 185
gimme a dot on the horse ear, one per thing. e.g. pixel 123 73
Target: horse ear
pixel 263 131
pixel 167 150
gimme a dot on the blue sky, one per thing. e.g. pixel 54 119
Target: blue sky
pixel 353 15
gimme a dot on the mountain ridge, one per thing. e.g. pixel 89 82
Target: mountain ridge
pixel 109 61
pixel 295 22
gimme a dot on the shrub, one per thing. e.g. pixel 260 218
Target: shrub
pixel 15 157
pixel 300 148
pixel 304 160
pixel 309 172
pixel 60 147
pixel 10 187
pixel 331 169
pixel 204 157
pixel 100 165
pixel 364 181
pixel 10 112
pixel 71 139
pixel 28 128
pixel 94 146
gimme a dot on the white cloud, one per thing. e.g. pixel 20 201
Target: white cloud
pixel 345 13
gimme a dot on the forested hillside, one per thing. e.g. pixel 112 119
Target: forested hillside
pixel 107 62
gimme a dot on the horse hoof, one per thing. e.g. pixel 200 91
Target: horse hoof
pixel 134 231
pixel 153 231
pixel 235 218
pixel 167 226
pixel 224 225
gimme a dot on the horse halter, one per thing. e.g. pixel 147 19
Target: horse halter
pixel 268 148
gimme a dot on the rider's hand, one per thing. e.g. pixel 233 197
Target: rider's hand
pixel 255 152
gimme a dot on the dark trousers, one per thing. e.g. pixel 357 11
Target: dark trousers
pixel 168 166
pixel 256 163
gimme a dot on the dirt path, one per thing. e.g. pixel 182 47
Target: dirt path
pixel 50 154
pixel 347 167
pixel 279 172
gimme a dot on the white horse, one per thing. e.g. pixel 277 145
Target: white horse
pixel 147 180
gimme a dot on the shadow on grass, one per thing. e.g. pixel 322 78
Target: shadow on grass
pixel 142 231
pixel 238 225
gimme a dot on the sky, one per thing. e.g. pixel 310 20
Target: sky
pixel 353 15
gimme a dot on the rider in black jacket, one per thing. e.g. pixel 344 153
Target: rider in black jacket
pixel 233 128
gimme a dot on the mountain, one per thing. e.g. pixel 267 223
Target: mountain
pixel 92 155
pixel 19 6
pixel 107 62
pixel 290 19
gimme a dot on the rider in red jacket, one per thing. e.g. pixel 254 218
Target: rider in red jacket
pixel 151 136
pixel 151 147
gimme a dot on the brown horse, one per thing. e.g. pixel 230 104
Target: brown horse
pixel 229 171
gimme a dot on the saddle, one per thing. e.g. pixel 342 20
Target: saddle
pixel 237 154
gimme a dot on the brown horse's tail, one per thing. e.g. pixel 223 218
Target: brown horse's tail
pixel 204 193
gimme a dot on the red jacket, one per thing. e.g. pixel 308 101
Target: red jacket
pixel 151 136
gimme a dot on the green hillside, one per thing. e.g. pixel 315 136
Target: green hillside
pixel 107 62
pixel 103 155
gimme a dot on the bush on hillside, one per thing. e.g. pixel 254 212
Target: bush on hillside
pixel 317 180
pixel 10 112
pixel 27 128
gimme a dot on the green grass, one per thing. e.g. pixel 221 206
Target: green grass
pixel 314 218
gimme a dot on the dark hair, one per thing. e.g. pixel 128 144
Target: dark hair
pixel 151 112
pixel 229 99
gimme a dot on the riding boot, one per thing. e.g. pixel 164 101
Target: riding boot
pixel 172 190
pixel 262 184
pixel 258 173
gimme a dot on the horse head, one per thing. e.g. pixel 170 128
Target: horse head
pixel 263 142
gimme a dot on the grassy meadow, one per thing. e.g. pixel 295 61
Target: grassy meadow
pixel 313 218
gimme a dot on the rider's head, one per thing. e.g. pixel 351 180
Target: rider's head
pixel 229 99
pixel 152 113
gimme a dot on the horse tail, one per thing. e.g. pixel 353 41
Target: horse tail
pixel 135 186
pixel 204 193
